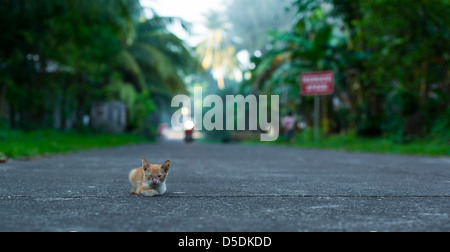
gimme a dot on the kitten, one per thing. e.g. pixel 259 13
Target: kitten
pixel 149 180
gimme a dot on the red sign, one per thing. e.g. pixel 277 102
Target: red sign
pixel 317 83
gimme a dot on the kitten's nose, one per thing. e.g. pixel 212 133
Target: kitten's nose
pixel 155 181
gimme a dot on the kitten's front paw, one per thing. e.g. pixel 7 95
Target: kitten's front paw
pixel 149 193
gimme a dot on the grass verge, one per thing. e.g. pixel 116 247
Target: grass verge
pixel 19 144
pixel 350 142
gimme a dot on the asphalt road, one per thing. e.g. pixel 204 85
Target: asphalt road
pixel 228 188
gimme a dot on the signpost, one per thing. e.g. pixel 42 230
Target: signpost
pixel 317 84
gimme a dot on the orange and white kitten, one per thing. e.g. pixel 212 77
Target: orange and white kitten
pixel 149 180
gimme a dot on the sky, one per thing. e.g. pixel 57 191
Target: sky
pixel 193 12
pixel 189 10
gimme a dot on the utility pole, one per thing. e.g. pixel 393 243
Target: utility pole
pixel 316 118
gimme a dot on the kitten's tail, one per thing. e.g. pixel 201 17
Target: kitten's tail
pixel 133 178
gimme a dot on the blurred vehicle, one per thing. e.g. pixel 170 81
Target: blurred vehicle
pixel 189 131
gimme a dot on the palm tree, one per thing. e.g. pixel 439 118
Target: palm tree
pixel 77 38
pixel 307 48
pixel 156 58
pixel 106 48
pixel 216 51
pixel 155 61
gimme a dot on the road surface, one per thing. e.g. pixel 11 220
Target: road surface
pixel 213 187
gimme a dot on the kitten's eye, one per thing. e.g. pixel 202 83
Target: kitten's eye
pixel 159 176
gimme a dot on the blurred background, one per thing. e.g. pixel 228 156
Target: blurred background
pixel 94 73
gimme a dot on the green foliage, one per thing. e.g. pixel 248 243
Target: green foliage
pixel 390 60
pixel 251 20
pixel 352 142
pixel 440 130
pixel 19 144
pixel 61 56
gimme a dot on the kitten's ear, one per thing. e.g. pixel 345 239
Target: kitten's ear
pixel 166 166
pixel 145 164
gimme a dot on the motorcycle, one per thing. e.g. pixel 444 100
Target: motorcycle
pixel 189 131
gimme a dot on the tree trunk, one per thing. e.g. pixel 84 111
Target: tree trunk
pixel 221 82
pixel 3 90
pixel 423 86
pixel 325 116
